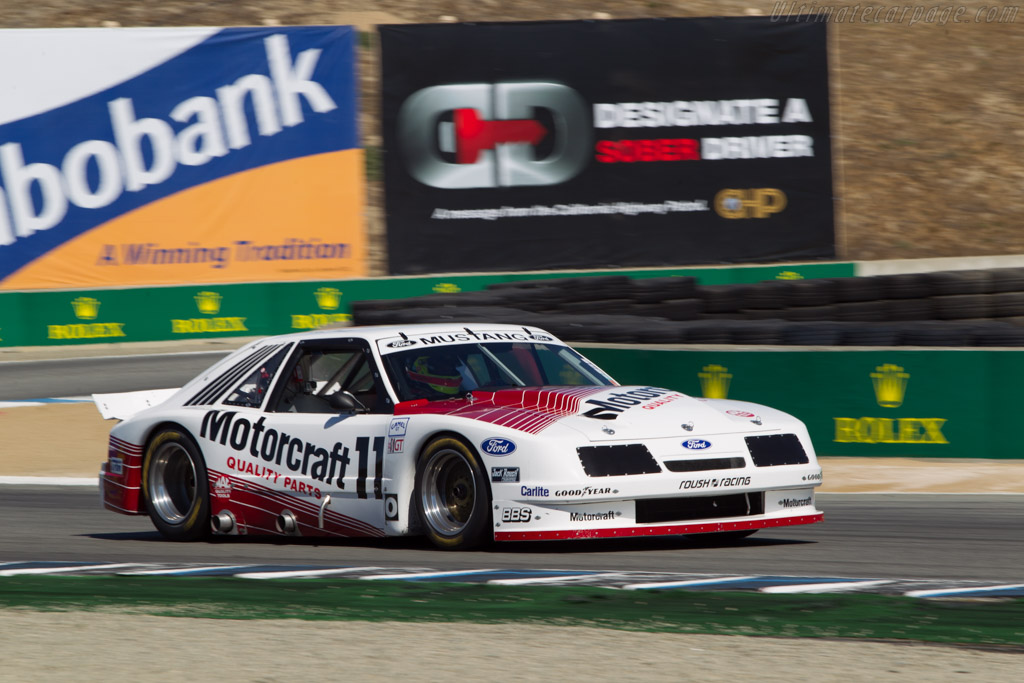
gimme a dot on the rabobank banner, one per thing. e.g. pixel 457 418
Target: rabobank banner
pixel 179 155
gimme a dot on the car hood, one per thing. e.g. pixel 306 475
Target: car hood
pixel 599 413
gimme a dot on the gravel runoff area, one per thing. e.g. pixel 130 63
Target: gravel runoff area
pixel 66 646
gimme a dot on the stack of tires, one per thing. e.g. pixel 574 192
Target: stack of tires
pixel 949 308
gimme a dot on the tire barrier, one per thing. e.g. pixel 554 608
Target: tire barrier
pixel 983 308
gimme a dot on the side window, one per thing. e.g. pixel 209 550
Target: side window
pixel 253 389
pixel 318 375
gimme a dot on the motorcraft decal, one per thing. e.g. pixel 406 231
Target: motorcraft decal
pixel 279 449
pixel 608 408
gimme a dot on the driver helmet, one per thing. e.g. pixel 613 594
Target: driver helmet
pixel 440 374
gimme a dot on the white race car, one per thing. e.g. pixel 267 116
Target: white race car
pixel 465 433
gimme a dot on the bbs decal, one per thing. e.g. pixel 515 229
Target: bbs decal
pixel 516 515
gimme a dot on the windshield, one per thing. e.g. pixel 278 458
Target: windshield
pixel 451 371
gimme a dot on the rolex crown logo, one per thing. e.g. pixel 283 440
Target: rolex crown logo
pixel 890 383
pixel 208 302
pixel 86 308
pixel 446 288
pixel 327 298
pixel 714 381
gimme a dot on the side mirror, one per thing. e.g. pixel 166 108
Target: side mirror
pixel 345 401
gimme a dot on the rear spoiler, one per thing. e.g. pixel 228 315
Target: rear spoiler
pixel 124 405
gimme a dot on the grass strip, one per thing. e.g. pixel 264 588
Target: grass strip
pixel 992 622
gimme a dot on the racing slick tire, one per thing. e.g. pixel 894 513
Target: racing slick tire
pixel 175 486
pixel 453 497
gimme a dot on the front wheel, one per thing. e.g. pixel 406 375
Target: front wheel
pixel 175 486
pixel 453 497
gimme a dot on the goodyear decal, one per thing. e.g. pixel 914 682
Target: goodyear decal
pixel 152 156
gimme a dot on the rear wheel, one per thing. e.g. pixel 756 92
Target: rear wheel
pixel 174 484
pixel 453 497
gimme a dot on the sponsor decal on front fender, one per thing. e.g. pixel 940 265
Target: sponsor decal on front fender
pixel 533 492
pixel 505 475
pixel 497 446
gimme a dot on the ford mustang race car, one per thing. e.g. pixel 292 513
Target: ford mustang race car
pixel 464 433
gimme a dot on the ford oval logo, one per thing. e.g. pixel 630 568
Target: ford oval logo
pixel 498 446
pixel 696 444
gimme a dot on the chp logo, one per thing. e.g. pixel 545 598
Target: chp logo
pixel 759 202
pixel 494 135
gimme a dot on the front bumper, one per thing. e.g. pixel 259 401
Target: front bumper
pixel 518 521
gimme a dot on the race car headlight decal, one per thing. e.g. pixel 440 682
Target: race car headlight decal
pixel 770 450
pixel 705 464
pixel 614 461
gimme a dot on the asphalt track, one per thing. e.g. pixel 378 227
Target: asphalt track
pixel 894 536
pixel 104 374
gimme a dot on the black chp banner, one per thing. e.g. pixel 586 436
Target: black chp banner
pixel 584 144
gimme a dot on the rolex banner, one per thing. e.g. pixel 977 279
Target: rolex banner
pixel 546 145
pixel 176 155
pixel 873 403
